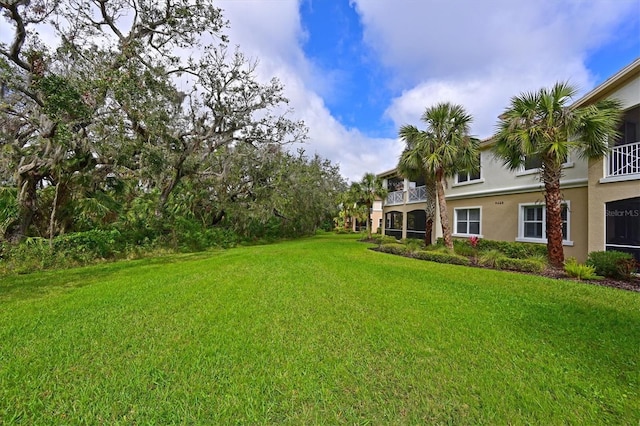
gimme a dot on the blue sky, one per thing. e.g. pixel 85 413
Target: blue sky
pixel 359 84
pixel 356 70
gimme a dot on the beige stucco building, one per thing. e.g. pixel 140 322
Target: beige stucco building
pixel 375 217
pixel 601 198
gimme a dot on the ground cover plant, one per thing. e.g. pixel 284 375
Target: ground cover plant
pixel 313 331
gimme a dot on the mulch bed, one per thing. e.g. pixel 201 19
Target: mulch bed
pixel 630 285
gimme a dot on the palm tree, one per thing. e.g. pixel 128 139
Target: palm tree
pixel 349 204
pixel 369 189
pixel 446 148
pixel 411 165
pixel 542 125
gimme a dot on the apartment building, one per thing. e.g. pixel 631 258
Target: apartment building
pixel 601 198
pixel 375 216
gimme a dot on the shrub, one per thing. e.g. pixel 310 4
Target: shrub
pixel 612 264
pixel 33 254
pixel 413 244
pixel 464 249
pixel 394 248
pixel 85 246
pixel 513 249
pixel 387 239
pixel 520 265
pixel 441 257
pixel 516 250
pixel 490 258
pixel 579 271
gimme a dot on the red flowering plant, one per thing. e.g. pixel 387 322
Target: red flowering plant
pixel 473 240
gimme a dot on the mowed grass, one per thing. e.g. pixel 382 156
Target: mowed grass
pixel 314 331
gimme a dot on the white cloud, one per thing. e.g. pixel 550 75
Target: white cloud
pixel 478 54
pixel 484 96
pixel 272 32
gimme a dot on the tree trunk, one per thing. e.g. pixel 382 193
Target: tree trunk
pixel 168 189
pixel 553 201
pixel 218 218
pixel 368 221
pixel 428 231
pixel 27 204
pixel 52 219
pixel 444 217
pixel 430 209
pixel 346 219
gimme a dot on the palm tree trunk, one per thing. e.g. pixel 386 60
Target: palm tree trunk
pixel 553 201
pixel 368 220
pixel 444 217
pixel 430 209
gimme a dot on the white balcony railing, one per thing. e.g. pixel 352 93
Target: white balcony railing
pixel 394 198
pixel 624 160
pixel 417 194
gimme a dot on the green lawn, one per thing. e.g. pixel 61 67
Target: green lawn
pixel 314 331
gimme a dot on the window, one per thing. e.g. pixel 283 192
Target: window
pixel 533 223
pixel 469 176
pixel 534 162
pixel 467 221
pixel 394 220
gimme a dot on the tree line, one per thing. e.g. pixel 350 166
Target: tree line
pixel 137 116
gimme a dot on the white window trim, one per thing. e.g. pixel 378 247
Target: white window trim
pixel 521 238
pixel 455 222
pixel 468 182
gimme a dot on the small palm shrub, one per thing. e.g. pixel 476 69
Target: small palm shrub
pixel 612 264
pixel 579 270
pixel 464 249
pixel 413 244
pixel 386 239
pixel 490 258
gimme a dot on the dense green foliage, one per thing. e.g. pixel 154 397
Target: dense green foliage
pixel 394 248
pixel 140 119
pixel 513 249
pixel 441 257
pixel 521 265
pixel 522 257
pixel 313 331
pixel 614 264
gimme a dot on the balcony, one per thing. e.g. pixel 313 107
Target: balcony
pixel 395 198
pixel 624 160
pixel 417 194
